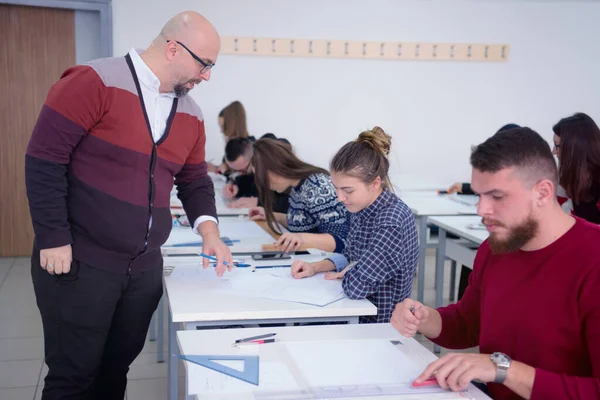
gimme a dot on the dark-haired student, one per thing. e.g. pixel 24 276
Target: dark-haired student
pixel 577 147
pixel 315 218
pixel 532 303
pixel 242 190
pixel 382 248
pixel 232 122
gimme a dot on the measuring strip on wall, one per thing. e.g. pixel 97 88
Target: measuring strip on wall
pixel 255 46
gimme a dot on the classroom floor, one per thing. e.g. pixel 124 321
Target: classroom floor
pixel 22 369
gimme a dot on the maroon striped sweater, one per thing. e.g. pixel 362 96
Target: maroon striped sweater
pixel 95 177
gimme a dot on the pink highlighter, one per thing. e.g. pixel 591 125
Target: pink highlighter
pixel 428 382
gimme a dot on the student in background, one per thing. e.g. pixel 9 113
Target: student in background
pixel 577 146
pixel 532 303
pixel 382 248
pixel 315 217
pixel 232 121
pixel 242 190
pixel 465 187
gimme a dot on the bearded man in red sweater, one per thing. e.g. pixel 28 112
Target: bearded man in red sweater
pixel 532 304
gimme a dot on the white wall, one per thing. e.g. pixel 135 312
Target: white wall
pixel 434 110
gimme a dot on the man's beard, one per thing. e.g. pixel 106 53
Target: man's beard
pixel 518 236
pixel 179 88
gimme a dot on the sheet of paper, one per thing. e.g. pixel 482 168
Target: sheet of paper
pixel 352 362
pixel 278 284
pixel 273 376
pixel 200 278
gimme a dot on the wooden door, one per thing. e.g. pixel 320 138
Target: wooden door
pixel 37 45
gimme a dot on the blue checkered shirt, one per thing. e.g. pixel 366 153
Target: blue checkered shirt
pixel 384 244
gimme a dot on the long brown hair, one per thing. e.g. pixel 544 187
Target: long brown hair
pixel 579 168
pixel 275 156
pixel 234 121
pixel 366 158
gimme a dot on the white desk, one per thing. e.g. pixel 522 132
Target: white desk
pixel 251 239
pixel 465 254
pixel 219 342
pixel 191 308
pixel 248 236
pixel 425 205
pixel 222 209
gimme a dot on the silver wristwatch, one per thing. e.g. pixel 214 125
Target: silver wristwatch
pixel 502 362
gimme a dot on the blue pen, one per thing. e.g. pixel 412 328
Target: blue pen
pixel 240 265
pixel 272 266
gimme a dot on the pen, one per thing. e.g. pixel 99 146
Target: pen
pixel 256 342
pixel 272 266
pixel 241 265
pixel 249 339
pixel 412 310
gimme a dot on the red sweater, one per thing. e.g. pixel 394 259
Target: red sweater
pixel 542 308
pixel 96 178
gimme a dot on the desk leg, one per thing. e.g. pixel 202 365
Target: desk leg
pixel 440 258
pixel 422 220
pixel 452 280
pixel 173 381
pixel 152 330
pixel 160 355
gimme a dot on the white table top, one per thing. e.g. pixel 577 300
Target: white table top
pixel 221 204
pixel 459 225
pixel 189 303
pixel 219 342
pixel 428 203
pixel 250 236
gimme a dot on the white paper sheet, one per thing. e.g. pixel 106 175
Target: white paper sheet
pixel 352 362
pixel 280 285
pixel 201 278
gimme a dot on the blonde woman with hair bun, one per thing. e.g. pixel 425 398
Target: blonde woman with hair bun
pixel 381 253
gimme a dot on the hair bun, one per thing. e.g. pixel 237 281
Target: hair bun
pixel 378 139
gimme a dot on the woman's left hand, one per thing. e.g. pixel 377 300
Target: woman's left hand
pixel 289 241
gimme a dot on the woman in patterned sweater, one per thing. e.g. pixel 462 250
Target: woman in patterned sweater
pixel 382 248
pixel 315 217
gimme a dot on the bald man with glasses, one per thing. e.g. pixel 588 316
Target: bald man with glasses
pixel 112 138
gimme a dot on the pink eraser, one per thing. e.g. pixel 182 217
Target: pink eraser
pixel 428 382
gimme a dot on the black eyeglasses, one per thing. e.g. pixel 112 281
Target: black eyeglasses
pixel 205 66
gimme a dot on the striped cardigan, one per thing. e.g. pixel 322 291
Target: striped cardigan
pixel 97 180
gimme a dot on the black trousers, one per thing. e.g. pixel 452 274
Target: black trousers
pixel 95 324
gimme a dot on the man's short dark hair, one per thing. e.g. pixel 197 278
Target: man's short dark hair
pixel 237 147
pixel 521 148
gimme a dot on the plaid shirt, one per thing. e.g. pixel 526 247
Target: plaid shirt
pixel 384 244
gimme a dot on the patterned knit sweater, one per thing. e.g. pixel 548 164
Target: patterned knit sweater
pixel 314 208
pixel 97 180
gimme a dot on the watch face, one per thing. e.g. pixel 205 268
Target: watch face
pixel 501 360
